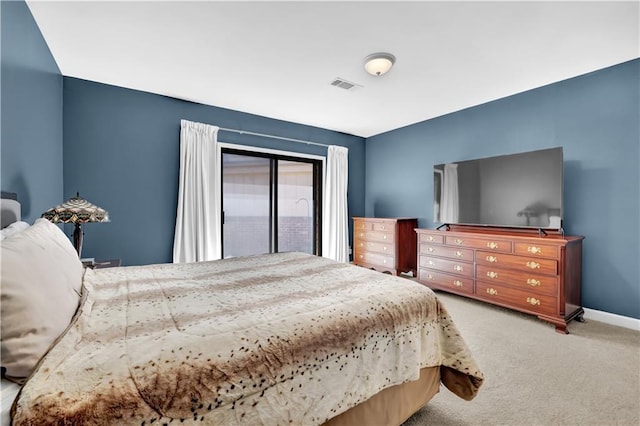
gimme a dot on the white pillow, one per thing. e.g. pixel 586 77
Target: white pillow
pixel 12 229
pixel 41 278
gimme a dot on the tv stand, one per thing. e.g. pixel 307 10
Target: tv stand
pixel 515 268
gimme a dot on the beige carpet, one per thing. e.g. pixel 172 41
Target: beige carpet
pixel 535 376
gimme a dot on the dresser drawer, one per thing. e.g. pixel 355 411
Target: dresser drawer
pixel 387 248
pixel 447 251
pixel 446 265
pixel 384 226
pixel 534 249
pixel 541 284
pixel 526 300
pixel 480 243
pixel 385 237
pixel 361 225
pixel 450 282
pixel 521 263
pixel 375 259
pixel 430 238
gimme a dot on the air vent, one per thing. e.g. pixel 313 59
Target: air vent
pixel 344 84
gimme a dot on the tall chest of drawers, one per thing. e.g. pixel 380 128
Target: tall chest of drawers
pixel 385 244
pixel 539 275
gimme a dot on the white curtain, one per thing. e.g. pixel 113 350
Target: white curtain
pixel 198 227
pixel 335 230
pixel 450 203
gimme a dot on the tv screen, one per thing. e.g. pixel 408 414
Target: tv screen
pixel 516 190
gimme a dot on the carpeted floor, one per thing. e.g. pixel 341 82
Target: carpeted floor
pixel 535 376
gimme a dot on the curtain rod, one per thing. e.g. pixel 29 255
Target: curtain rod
pixel 264 135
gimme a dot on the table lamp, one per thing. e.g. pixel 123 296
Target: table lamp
pixel 76 210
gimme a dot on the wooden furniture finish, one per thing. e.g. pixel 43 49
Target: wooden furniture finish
pixel 385 244
pixel 517 269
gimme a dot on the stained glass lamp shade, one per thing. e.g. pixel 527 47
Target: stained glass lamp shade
pixel 76 210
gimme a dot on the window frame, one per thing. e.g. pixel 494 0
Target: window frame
pixel 274 155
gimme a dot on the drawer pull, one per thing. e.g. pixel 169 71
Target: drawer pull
pixel 384 261
pixel 430 249
pixel 361 244
pixel 430 277
pixel 458 268
pixel 384 248
pixel 492 245
pixel 534 249
pixel 384 237
pixel 533 301
pixel 430 238
pixel 458 241
pixel 492 291
pixel 533 265
pixel 457 283
pixel 361 234
pixel 492 274
pixel 459 254
pixel 492 259
pixel 361 256
pixel 533 282
pixel 431 263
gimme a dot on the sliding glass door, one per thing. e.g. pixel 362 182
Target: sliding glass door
pixel 270 203
pixel 295 206
pixel 246 198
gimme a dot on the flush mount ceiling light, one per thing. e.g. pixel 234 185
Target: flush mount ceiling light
pixel 379 63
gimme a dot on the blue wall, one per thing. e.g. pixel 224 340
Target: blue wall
pixel 121 152
pixel 594 117
pixel 31 113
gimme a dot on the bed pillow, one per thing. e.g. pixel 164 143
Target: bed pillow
pixel 12 229
pixel 40 280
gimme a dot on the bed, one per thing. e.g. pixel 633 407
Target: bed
pixel 268 339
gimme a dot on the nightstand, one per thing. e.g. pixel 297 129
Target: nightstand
pixel 110 263
pixel 99 264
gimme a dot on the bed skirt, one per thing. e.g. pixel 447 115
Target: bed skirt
pixel 393 405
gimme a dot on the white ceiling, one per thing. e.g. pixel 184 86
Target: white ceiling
pixel 277 59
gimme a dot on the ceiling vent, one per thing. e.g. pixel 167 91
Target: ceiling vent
pixel 344 84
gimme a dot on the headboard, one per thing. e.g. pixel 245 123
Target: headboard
pixel 9 209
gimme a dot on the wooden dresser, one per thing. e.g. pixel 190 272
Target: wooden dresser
pixel 539 275
pixel 385 244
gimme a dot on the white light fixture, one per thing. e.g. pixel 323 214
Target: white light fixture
pixel 379 63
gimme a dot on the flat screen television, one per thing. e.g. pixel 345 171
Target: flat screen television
pixel 521 190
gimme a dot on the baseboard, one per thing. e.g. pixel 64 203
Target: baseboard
pixel 613 319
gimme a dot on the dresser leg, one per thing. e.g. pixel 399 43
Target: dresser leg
pixel 561 325
pixel 562 329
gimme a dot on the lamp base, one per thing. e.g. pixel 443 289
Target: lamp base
pixel 77 238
